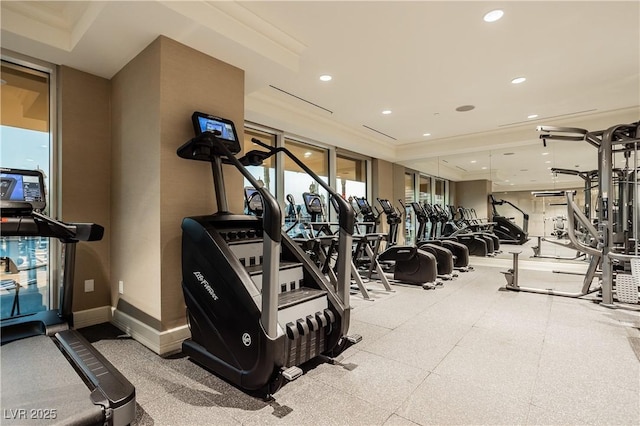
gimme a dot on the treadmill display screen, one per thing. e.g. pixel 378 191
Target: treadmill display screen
pixel 22 186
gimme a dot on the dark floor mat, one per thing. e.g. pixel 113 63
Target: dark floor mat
pixel 104 331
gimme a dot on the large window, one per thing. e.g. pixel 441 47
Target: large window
pixel 440 192
pixel 409 197
pixel 351 176
pixel 424 196
pixel 266 173
pixel 297 182
pixel 26 136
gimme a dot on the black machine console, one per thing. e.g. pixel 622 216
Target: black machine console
pixel 21 189
pixel 204 147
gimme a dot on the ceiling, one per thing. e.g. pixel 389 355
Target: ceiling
pixel 421 60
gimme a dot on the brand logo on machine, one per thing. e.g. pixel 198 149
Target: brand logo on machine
pixel 201 279
pixel 246 339
pixel 403 251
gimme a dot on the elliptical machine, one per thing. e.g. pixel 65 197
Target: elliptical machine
pixel 444 257
pixel 258 307
pixel 408 264
pixel 459 250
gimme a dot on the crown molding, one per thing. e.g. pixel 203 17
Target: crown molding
pixel 237 23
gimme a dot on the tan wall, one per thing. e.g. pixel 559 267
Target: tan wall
pixel 453 200
pixel 207 85
pixel 135 195
pixel 85 176
pixel 153 189
pixel 474 194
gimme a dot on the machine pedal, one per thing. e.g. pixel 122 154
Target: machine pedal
pixel 353 338
pixel 292 373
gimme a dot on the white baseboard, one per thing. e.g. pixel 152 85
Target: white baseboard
pixel 90 317
pixel 161 342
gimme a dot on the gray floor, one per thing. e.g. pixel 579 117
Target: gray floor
pixel 465 353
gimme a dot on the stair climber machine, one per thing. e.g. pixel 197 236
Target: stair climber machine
pixel 507 230
pixel 444 256
pixel 50 373
pixel 459 250
pixel 409 264
pixel 258 307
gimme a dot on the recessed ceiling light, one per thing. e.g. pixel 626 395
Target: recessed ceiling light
pixel 545 153
pixel 465 108
pixel 548 168
pixel 547 162
pixel 512 184
pixel 386 112
pixel 493 16
pixel 484 168
pixel 506 180
pixel 532 116
pixel 426 134
pixel 307 154
pixel 473 161
pixel 518 80
pixel 326 77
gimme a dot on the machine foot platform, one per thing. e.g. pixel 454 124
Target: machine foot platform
pixel 292 373
pixel 353 338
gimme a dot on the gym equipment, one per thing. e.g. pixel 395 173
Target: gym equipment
pixel 407 264
pixel 258 306
pixel 444 256
pixel 479 226
pixel 617 249
pixel 505 228
pixel 362 244
pixel 574 213
pixel 53 372
pixel 478 243
pixel 425 262
pixel 459 250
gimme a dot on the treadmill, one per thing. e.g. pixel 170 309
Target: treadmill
pixel 50 373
